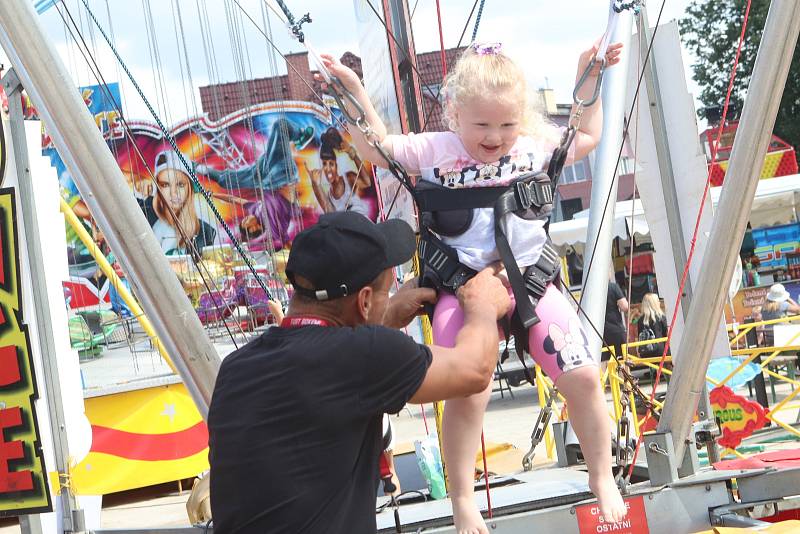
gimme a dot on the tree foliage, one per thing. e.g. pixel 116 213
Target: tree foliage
pixel 710 30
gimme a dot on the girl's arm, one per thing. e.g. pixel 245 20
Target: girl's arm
pixel 351 82
pixel 591 126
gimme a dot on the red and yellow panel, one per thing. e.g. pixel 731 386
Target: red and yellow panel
pixel 779 163
pixel 141 438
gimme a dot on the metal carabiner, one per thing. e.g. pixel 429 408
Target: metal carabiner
pixel 582 80
pixel 338 91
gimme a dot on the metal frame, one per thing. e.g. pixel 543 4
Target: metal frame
pixel 758 118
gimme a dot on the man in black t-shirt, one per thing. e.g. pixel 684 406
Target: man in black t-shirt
pixel 295 418
pixel 614 330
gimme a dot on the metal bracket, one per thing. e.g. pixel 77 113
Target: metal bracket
pixel 661 464
pixel 11 83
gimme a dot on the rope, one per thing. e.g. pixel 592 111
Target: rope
pixel 477 21
pixel 685 275
pixel 486 477
pixel 441 40
pixel 190 171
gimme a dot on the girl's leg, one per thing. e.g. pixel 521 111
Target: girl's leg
pixel 461 428
pixel 560 347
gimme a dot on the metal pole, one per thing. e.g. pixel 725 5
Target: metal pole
pixel 604 186
pixel 669 192
pixel 758 118
pixel 41 301
pixel 108 196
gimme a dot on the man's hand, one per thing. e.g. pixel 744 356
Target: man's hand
pixel 485 291
pixel 407 303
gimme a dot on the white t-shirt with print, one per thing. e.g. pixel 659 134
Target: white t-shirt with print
pixel 440 157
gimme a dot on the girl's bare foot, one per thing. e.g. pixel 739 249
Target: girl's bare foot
pixel 466 517
pixel 609 500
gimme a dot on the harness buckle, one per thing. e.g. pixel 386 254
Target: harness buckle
pixel 536 281
pixel 533 193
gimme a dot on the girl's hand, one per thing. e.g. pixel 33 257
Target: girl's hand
pixel 345 74
pixel 612 57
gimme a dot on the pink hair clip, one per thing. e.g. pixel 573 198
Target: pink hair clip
pixel 487 49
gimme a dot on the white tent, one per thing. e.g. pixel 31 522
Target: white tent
pixel 776 202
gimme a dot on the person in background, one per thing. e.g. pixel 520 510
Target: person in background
pixel 614 332
pixel 652 325
pixel 343 192
pixel 779 304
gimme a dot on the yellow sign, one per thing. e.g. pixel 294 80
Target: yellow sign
pixel 23 480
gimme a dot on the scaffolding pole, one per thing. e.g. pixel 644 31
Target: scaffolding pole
pixel 599 234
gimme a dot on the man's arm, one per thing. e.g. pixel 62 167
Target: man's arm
pixel 467 368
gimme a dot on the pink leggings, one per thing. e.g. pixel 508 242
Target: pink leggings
pixel 557 343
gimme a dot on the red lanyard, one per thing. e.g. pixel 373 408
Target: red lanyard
pixel 304 320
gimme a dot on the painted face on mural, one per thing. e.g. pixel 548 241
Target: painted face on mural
pixel 251 226
pixel 174 186
pixel 331 170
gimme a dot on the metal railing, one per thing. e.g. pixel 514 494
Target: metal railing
pixel 614 380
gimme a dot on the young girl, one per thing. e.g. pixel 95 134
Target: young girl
pixel 174 206
pixel 496 134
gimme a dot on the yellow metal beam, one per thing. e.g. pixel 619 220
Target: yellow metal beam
pixel 108 270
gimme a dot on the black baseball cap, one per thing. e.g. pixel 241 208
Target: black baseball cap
pixel 345 251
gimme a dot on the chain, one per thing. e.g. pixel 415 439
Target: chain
pixel 294 26
pixel 621 5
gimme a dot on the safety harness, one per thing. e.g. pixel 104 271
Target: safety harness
pixel 449 212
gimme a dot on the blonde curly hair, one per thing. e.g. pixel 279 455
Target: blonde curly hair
pixel 496 74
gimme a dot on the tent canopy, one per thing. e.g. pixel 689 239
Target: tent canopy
pixel 775 202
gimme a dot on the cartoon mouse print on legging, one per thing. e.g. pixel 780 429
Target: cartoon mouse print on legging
pixel 569 346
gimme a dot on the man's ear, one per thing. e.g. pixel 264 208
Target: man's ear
pixel 364 300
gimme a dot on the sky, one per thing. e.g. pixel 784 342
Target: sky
pixel 148 36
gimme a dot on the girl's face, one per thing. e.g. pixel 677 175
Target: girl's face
pixel 488 126
pixel 174 186
pixel 330 169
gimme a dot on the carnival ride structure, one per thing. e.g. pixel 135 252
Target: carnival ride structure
pixel 676 494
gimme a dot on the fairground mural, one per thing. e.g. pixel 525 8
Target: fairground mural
pixel 271 171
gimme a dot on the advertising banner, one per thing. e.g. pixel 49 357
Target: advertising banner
pixel 23 479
